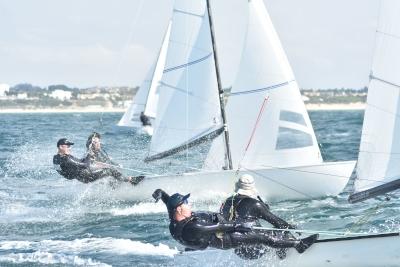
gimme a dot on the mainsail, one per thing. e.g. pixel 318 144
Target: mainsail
pixel 378 164
pixel 146 98
pixel 189 109
pixel 284 131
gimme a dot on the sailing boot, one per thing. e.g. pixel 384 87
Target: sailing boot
pixel 305 243
pixel 136 179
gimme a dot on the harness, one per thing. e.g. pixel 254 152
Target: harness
pixel 235 201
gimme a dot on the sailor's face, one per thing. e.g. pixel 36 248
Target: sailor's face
pixel 65 149
pixel 96 144
pixel 184 210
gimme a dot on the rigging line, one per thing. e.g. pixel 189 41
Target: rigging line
pixel 333 233
pixel 279 183
pixel 128 169
pixel 312 172
pixel 263 105
pixel 366 216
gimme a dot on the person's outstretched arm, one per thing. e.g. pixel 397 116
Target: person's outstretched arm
pixel 264 213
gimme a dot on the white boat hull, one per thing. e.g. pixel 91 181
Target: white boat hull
pixel 273 184
pixel 363 251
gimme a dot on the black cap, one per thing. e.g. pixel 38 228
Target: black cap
pixel 176 200
pixel 64 141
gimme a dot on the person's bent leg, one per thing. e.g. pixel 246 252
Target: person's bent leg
pixel 251 238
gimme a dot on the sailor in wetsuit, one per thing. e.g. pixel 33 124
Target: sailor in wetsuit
pixel 246 206
pixel 82 169
pixel 201 230
pixel 95 153
pixel 144 119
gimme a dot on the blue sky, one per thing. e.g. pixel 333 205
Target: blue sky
pixel 97 42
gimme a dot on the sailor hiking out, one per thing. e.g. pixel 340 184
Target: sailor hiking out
pixel 199 230
pixel 88 169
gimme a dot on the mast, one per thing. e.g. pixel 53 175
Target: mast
pixel 228 159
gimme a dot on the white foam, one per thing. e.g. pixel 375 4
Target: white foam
pixel 50 258
pixel 95 245
pixel 141 208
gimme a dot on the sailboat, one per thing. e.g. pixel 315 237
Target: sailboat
pixel 142 112
pixel 283 153
pixel 377 171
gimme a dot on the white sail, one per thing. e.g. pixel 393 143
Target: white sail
pixel 379 156
pixel 190 103
pixel 284 135
pixel 150 109
pixel 131 117
pixel 146 98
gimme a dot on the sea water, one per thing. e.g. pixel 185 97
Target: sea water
pixel 46 220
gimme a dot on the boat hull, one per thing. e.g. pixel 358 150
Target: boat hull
pixel 273 184
pixel 360 251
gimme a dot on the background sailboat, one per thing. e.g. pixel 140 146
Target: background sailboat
pixel 145 101
pixel 283 156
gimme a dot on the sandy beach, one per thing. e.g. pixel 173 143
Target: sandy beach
pixel 351 106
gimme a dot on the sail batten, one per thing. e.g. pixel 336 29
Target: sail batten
pixel 275 86
pixel 372 77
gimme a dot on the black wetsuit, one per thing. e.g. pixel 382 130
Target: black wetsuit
pixel 202 230
pixel 73 168
pixel 145 119
pixel 248 209
pixel 241 208
pixel 99 156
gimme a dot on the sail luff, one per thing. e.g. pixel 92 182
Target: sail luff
pixel 150 108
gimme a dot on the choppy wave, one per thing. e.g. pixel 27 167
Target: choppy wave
pixel 98 245
pixel 50 258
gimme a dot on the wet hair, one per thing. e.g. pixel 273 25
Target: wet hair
pixel 90 139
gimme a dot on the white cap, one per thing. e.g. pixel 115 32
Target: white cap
pixel 246 186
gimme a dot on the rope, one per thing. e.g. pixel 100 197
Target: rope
pixel 128 169
pixel 331 233
pixel 368 215
pixel 232 208
pixel 254 130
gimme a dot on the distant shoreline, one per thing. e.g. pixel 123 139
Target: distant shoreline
pixel 351 106
pixel 59 110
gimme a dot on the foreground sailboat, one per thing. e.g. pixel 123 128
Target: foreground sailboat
pixel 263 129
pixel 141 113
pixel 378 163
